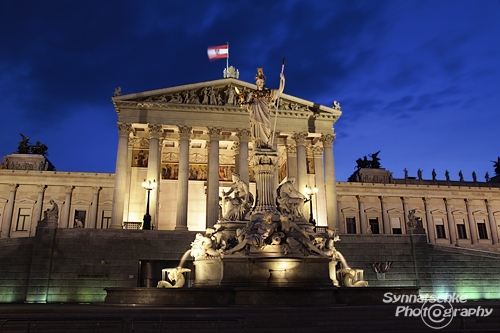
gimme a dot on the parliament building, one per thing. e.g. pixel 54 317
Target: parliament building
pixel 177 151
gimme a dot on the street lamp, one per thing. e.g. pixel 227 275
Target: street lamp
pixel 148 186
pixel 310 192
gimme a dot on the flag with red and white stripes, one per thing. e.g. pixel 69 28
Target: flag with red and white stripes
pixel 218 52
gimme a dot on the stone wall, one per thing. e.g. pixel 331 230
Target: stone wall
pixel 15 261
pixel 75 265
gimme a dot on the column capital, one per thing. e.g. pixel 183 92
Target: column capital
pixel 291 149
pixel 13 187
pixel 68 189
pixel 155 130
pixel 185 132
pixel 236 147
pixel 41 188
pixel 361 198
pixel 300 138
pixel 467 201
pixel 426 200
pixel 382 199
pixel 96 189
pixel 124 129
pixel 405 199
pixel 327 140
pixel 487 202
pixel 447 201
pixel 317 150
pixel 214 132
pixel 244 135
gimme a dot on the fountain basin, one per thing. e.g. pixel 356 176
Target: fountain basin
pixel 261 271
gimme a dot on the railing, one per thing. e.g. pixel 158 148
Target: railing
pixel 120 324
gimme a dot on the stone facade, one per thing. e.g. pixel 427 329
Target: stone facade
pixel 189 140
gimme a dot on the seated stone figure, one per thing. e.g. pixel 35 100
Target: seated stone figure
pixel 290 200
pixel 51 214
pixel 237 206
pixel 256 235
pixel 175 278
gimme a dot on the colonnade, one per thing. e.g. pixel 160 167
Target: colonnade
pixel 428 221
pixel 64 210
pixel 212 210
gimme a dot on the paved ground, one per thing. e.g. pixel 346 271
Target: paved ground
pixel 342 318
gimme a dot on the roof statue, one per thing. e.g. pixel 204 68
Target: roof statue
pixel 36 149
pixel 496 165
pixel 365 163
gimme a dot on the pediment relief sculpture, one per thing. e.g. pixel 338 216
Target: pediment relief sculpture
pixel 212 96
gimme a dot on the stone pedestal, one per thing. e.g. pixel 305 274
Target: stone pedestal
pixel 264 163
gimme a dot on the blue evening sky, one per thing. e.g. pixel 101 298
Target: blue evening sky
pixel 418 80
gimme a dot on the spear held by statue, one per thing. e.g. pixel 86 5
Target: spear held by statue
pixel 277 104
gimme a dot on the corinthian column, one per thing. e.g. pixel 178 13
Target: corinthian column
pixel 9 211
pixel 362 217
pixel 451 221
pixel 244 136
pixel 154 169
pixel 404 200
pixel 183 178
pixel 472 224
pixel 67 206
pixel 93 210
pixel 120 176
pixel 493 226
pixel 331 191
pixel 37 214
pixel 385 217
pixel 213 177
pixel 431 229
pixel 300 141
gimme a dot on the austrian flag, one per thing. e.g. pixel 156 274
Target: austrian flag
pixel 218 52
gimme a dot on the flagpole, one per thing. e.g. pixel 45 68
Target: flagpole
pixel 227 60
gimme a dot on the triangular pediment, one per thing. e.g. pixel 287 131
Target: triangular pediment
pixel 216 94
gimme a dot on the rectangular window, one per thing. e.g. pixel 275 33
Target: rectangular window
pixel 80 218
pixel 106 219
pixel 481 228
pixel 396 225
pixel 23 219
pixel 462 234
pixel 350 225
pixel 374 225
pixel 440 232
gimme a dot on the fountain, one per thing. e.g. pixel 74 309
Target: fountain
pixel 259 253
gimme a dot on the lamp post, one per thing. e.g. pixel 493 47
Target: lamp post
pixel 310 192
pixel 148 186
